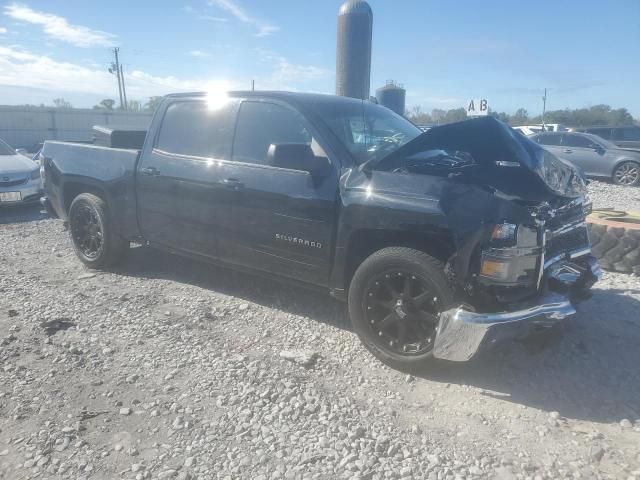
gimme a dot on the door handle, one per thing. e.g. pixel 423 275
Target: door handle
pixel 567 150
pixel 151 171
pixel 233 183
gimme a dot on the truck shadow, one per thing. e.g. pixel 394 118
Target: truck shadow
pixel 289 297
pixel 589 369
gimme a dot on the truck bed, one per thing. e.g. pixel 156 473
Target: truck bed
pixel 110 171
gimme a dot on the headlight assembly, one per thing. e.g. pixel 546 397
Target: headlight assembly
pixel 559 176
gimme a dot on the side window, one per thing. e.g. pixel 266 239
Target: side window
pixel 191 128
pixel 601 132
pixel 260 124
pixel 549 139
pixel 577 141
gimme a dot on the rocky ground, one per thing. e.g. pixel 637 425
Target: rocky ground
pixel 606 195
pixel 166 368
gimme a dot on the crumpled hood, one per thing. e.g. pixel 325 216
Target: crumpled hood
pixel 486 138
pixel 507 161
pixel 16 164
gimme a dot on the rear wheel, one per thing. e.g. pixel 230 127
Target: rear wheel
pixel 94 240
pixel 627 173
pixel 395 300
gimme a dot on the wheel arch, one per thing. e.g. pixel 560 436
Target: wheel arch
pixel 622 160
pixel 73 188
pixel 363 243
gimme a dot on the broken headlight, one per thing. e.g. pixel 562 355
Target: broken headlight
pixel 560 176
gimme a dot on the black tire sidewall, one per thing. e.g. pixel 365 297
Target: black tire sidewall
pixel 99 207
pixel 407 259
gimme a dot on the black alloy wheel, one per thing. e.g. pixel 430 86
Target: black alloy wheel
pixel 87 231
pixel 396 298
pixel 402 311
pixel 95 240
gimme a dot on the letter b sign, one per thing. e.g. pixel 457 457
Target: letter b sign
pixel 476 107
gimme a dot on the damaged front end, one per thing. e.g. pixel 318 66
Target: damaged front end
pixel 517 213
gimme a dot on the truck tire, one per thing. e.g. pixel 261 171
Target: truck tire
pixel 615 239
pixel 92 234
pixel 395 298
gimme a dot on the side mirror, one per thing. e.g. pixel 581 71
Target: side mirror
pixel 597 148
pixel 298 156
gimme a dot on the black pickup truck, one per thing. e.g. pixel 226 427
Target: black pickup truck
pixel 441 242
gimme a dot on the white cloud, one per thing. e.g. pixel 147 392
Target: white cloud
pixel 20 68
pixel 263 28
pixel 201 16
pixel 22 81
pixel 3 30
pixel 59 28
pixel 288 72
pixel 198 54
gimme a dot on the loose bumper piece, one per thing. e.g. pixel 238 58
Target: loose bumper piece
pixel 462 333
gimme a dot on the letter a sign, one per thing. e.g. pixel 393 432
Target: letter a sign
pixel 477 106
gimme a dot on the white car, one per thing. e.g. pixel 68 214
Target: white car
pixel 529 129
pixel 20 181
pixel 539 128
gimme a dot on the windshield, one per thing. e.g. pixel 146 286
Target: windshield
pixel 6 149
pixel 368 131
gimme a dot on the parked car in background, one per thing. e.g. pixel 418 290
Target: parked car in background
pixel 625 137
pixel 20 180
pixel 594 155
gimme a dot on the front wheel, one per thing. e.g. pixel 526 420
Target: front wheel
pixel 395 300
pixel 95 242
pixel 627 173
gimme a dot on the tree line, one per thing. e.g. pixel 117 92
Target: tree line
pixel 580 117
pixel 107 104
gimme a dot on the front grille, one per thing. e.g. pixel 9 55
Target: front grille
pixel 13 183
pixel 570 241
pixel 569 213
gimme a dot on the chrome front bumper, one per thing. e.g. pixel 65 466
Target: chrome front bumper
pixel 462 333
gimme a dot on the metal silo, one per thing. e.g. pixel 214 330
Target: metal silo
pixel 353 56
pixel 392 96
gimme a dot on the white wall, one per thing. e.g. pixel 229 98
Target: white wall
pixel 25 127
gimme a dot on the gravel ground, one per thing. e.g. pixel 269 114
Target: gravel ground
pixel 607 195
pixel 166 368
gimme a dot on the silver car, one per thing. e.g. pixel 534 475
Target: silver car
pixel 595 156
pixel 20 181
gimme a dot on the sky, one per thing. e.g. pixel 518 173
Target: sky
pixel 585 52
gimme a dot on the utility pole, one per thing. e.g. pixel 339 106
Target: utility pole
pixel 124 90
pixel 544 107
pixel 115 69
